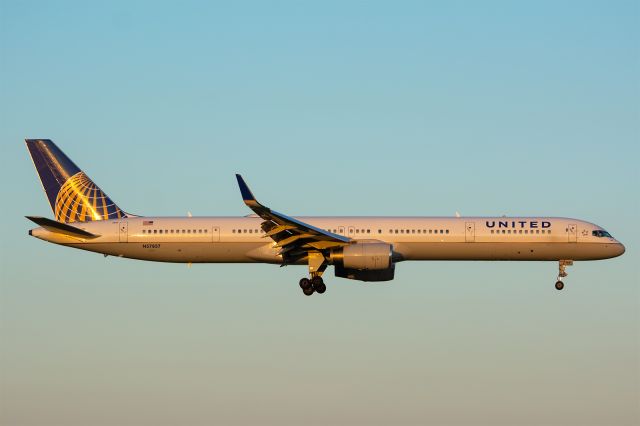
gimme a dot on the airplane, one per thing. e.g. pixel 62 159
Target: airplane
pixel 359 248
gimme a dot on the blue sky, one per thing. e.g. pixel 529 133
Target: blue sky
pixel 327 108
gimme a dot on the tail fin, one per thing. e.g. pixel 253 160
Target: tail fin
pixel 72 195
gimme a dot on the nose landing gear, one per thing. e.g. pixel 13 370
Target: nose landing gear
pixel 562 265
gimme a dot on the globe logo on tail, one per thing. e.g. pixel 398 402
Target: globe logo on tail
pixel 80 200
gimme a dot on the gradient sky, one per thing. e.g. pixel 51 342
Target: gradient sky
pixel 327 108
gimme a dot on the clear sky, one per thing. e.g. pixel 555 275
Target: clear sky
pixel 327 108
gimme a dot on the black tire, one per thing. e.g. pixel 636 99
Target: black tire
pixel 559 285
pixel 320 287
pixel 305 283
pixel 308 291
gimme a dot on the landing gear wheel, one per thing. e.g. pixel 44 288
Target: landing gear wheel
pixel 308 291
pixel 318 285
pixel 559 285
pixel 305 283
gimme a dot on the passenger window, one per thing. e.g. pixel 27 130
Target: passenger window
pixel 447 231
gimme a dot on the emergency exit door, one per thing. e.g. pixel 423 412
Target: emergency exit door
pixel 124 233
pixel 470 232
pixel 572 230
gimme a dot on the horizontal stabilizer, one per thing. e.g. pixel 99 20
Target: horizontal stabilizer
pixel 61 228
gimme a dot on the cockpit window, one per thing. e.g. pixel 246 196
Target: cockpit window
pixel 601 233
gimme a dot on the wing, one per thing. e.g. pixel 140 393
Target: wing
pixel 295 238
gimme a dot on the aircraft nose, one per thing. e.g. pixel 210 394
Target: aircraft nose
pixel 618 249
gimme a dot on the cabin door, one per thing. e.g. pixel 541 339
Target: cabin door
pixel 124 234
pixel 470 232
pixel 215 234
pixel 572 230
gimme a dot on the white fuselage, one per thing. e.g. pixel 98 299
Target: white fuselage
pixel 240 239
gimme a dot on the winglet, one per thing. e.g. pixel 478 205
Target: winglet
pixel 247 196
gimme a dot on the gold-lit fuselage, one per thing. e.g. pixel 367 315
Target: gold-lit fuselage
pixel 240 240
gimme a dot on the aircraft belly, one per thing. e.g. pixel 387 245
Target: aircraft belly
pixel 177 252
pixel 499 251
pixel 252 252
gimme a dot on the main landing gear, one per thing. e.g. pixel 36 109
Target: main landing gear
pixel 562 265
pixel 314 285
pixel 317 266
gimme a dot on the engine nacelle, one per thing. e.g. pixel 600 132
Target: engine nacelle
pixel 364 256
pixel 364 261
pixel 364 275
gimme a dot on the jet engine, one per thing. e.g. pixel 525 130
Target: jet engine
pixel 364 261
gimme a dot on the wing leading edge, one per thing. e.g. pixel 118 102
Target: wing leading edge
pixel 294 238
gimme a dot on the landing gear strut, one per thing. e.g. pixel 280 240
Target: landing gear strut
pixel 562 265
